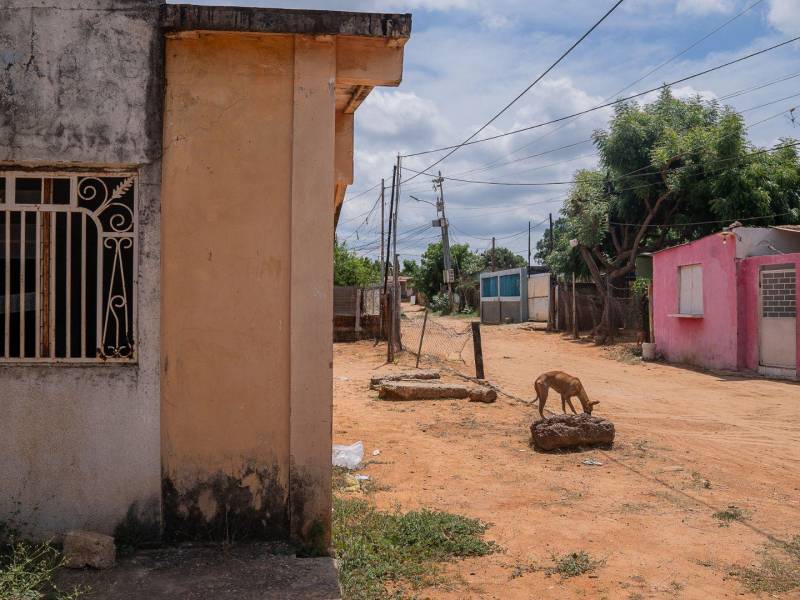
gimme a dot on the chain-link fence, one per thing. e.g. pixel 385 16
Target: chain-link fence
pixel 444 339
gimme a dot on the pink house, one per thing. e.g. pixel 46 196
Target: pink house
pixel 729 301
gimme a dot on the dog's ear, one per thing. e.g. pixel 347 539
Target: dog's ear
pixel 593 402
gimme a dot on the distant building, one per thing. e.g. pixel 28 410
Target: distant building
pixel 729 301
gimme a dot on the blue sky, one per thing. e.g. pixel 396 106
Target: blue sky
pixel 467 58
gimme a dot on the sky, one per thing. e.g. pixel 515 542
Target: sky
pixel 467 58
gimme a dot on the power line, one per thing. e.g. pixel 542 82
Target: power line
pixel 454 149
pixel 773 216
pixel 601 106
pixel 646 75
pixel 572 181
pixel 728 96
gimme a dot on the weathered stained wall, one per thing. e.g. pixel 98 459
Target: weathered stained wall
pixel 247 214
pixel 710 341
pixel 80 85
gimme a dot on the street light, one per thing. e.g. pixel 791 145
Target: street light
pixel 425 201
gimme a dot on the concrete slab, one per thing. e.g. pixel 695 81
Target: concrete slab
pixel 190 572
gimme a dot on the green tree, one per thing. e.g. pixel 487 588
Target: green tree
pixel 503 259
pixel 350 269
pixel 429 278
pixel 666 169
pixel 410 268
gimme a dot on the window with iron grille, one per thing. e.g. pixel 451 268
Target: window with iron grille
pixel 68 266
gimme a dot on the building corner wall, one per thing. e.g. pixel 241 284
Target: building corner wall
pixel 311 391
pixel 81 87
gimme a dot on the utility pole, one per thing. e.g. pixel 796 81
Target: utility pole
pixel 396 337
pixel 389 237
pixel 448 275
pixel 383 217
pixel 529 247
pixel 387 309
pixel 551 232
pixel 493 262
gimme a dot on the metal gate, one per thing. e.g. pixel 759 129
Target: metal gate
pixel 778 321
pixel 539 297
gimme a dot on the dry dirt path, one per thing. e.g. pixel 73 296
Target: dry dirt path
pixel 689 444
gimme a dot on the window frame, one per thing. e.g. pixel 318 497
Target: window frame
pixel 115 218
pixel 693 270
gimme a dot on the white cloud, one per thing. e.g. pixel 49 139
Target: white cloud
pixel 784 15
pixel 703 7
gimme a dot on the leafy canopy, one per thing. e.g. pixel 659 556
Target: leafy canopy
pixel 350 269
pixel 666 169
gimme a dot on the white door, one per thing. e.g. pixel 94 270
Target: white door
pixel 778 321
pixel 538 297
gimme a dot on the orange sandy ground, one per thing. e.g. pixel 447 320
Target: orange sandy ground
pixel 645 512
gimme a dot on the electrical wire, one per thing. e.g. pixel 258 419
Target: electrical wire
pixel 601 106
pixel 572 181
pixel 454 149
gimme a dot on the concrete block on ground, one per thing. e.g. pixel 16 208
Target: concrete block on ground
pixel 377 380
pixel 571 431
pixel 88 549
pixel 482 394
pixel 433 390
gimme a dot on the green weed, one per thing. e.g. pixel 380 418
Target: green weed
pixel 376 549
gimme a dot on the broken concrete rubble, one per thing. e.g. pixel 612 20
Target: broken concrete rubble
pixel 571 431
pixel 430 390
pixel 88 549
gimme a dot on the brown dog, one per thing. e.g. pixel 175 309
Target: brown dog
pixel 566 385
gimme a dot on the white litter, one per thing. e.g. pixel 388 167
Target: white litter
pixel 592 462
pixel 362 477
pixel 376 452
pixel 348 457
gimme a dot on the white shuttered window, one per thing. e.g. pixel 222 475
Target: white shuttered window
pixel 691 290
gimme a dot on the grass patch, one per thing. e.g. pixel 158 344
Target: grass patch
pixel 377 549
pixel 573 564
pixel 778 572
pixel 730 514
pixel 27 571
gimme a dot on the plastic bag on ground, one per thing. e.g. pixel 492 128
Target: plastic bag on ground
pixel 348 457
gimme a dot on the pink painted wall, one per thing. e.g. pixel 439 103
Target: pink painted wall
pixel 749 269
pixel 711 341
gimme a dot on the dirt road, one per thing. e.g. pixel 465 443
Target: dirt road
pixel 689 444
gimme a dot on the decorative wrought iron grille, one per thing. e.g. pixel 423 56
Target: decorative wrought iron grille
pixel 68 262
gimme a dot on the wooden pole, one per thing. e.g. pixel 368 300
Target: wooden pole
pixel 493 263
pixel 421 336
pixel 358 312
pixel 389 327
pixel 383 217
pixel 477 348
pixel 529 247
pixel 574 310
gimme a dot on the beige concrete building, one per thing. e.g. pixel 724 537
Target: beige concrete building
pixel 167 367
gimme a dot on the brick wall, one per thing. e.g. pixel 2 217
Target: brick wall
pixel 778 295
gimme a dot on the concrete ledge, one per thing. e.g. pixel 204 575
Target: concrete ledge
pixel 377 380
pixel 189 17
pixel 434 390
